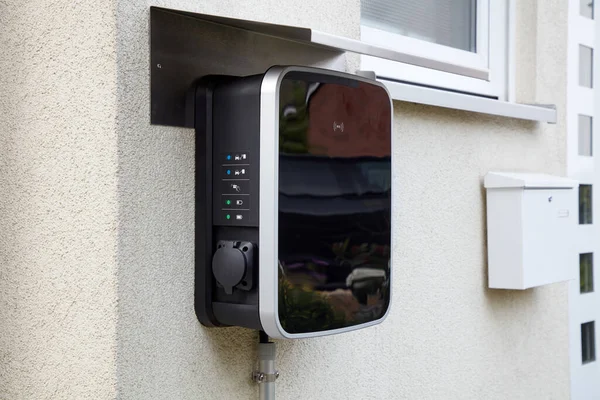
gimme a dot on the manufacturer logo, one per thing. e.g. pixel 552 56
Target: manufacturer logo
pixel 338 126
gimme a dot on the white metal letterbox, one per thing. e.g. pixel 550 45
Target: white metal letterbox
pixel 530 224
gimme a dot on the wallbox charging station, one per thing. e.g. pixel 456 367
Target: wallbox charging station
pixel 293 201
pixel 293 188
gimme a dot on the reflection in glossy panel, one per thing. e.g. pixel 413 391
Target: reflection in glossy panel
pixel 334 203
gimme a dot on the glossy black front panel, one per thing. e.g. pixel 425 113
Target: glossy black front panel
pixel 334 202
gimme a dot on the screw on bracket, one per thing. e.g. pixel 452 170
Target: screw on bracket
pixel 261 377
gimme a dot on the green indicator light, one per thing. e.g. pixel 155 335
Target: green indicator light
pixel 228 202
pixel 228 216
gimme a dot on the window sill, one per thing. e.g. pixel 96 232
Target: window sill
pixel 458 101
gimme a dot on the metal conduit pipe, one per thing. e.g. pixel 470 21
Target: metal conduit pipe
pixel 266 374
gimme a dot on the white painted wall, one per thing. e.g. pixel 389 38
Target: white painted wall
pixel 447 336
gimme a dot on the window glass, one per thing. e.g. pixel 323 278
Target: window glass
pixel 585 135
pixel 586 273
pixel 586 66
pixel 586 8
pixel 588 342
pixel 447 22
pixel 585 204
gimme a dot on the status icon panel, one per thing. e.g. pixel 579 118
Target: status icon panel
pixel 233 180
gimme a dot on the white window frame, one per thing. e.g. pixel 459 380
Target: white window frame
pixel 492 44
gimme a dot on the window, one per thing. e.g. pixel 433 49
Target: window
pixel 585 204
pixel 586 273
pixel 449 23
pixel 585 135
pixel 470 34
pixel 586 8
pixel 588 342
pixel 586 57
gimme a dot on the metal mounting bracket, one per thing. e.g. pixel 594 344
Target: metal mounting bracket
pixel 263 377
pixel 187 46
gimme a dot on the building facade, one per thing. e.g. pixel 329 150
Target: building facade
pixel 96 211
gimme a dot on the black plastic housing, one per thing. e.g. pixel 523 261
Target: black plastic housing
pixel 218 136
pixel 325 261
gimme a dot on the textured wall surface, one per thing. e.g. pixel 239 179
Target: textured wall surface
pixel 58 200
pixel 87 182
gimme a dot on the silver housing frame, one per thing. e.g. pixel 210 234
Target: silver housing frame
pixel 269 204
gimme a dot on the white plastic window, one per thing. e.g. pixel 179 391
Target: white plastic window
pixel 468 33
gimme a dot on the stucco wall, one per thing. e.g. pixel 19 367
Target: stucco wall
pixel 58 200
pixel 76 188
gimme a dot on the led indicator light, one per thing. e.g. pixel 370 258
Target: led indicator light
pixel 228 202
pixel 228 216
pixel 228 172
pixel 229 156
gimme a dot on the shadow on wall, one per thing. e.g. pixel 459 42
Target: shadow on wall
pixel 223 340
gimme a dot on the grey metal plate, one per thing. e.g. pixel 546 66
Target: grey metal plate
pixel 184 47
